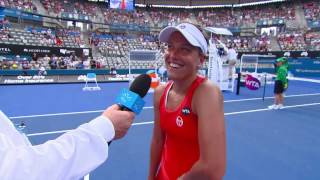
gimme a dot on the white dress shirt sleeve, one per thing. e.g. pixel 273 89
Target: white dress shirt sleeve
pixel 71 156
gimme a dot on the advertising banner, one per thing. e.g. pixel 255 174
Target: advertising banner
pixel 6 80
pixel 24 50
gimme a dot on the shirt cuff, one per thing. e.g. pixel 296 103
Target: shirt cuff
pixel 103 126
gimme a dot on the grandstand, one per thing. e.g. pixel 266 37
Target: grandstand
pixel 88 35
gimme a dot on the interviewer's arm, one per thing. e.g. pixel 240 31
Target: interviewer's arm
pixel 70 156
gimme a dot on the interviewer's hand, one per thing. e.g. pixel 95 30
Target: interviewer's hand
pixel 121 120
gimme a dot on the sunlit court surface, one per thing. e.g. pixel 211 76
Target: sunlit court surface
pixel 262 144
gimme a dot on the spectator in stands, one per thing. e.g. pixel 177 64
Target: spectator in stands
pixel 61 63
pixel 53 62
pixel 93 64
pixel 5 64
pixel 80 65
pixel 86 63
pixel 73 57
pixel 34 57
pixel 18 58
pixel 113 71
pixel 58 41
pixel 15 65
pixel 190 143
pixel 35 65
pixel 25 64
pixel 46 58
pixel 42 71
pixel 281 83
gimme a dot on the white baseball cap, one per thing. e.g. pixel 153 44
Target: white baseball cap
pixel 193 35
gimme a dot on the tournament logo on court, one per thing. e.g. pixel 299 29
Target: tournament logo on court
pixel 179 121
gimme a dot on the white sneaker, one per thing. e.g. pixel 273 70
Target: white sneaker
pixel 280 106
pixel 273 106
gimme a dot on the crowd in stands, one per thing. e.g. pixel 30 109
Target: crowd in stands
pixel 113 16
pixel 159 17
pixel 250 44
pixel 313 40
pixel 51 62
pixel 165 17
pixel 254 13
pixel 72 62
pixel 74 7
pixel 312 10
pixel 218 18
pixel 24 5
pixel 118 45
pixel 53 6
pixel 41 36
pixel 290 41
pixel 4 35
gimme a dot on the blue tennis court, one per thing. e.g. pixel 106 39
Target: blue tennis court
pixel 262 144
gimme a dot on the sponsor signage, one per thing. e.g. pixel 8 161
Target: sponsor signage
pixel 24 50
pixel 27 80
pixel 252 83
pixel 22 79
pixel 5 50
pixel 21 14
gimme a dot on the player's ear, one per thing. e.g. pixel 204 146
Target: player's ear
pixel 202 58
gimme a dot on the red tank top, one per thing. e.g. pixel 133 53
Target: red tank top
pixel 181 147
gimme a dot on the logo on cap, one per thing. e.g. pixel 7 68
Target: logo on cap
pixel 186 110
pixel 182 26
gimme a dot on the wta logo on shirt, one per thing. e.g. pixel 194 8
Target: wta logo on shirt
pixel 179 121
pixel 186 111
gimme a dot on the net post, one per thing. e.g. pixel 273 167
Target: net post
pixel 238 83
pixel 264 87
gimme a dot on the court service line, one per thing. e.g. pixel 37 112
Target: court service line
pixel 151 122
pixel 271 97
pixel 150 107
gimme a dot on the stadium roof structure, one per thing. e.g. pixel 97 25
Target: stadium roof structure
pixel 193 4
pixel 220 31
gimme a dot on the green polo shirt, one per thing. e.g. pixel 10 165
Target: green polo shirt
pixel 282 75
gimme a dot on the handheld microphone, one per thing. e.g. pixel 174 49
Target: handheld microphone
pixel 131 100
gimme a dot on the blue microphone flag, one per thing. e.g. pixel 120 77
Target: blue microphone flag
pixel 130 100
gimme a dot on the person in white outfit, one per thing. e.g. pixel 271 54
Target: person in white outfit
pixel 232 60
pixel 69 157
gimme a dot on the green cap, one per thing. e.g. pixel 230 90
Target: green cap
pixel 282 59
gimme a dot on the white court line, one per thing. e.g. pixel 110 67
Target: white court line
pixel 226 114
pixel 151 107
pixel 56 114
pixel 86 177
pixel 47 133
pixel 266 109
pixel 270 97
